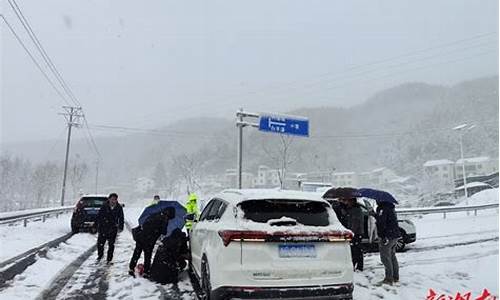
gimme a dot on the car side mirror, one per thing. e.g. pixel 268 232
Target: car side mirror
pixel 190 217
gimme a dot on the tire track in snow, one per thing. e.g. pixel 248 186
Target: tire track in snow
pixel 483 232
pixel 90 282
pixel 437 260
pixel 95 284
pixel 457 244
pixel 65 275
pixel 21 262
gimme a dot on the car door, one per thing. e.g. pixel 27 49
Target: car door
pixel 196 237
pixel 371 222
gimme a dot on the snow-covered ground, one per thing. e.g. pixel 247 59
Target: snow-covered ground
pixel 16 238
pixel 456 254
pixel 38 276
pixel 30 211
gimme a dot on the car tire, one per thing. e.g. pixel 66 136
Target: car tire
pixel 75 229
pixel 401 244
pixel 206 286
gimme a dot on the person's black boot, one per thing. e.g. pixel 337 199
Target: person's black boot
pixel 131 273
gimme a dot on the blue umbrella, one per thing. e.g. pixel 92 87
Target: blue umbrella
pixel 177 222
pixel 377 195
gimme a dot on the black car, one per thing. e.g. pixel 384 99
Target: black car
pixel 85 213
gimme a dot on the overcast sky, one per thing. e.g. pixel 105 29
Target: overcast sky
pixel 147 63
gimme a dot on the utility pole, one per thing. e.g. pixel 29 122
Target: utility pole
pixel 463 168
pixel 461 130
pixel 72 115
pixel 96 174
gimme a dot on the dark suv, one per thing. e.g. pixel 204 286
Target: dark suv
pixel 85 213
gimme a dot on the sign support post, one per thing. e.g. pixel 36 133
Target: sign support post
pixel 273 123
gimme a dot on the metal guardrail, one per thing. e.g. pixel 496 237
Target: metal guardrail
pixel 444 209
pixel 43 214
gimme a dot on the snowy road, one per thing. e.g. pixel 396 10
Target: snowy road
pixel 456 254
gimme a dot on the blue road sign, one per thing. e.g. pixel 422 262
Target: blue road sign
pixel 284 124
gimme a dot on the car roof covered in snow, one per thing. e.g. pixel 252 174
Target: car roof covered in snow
pixel 236 196
pixel 94 196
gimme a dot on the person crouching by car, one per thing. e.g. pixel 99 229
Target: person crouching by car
pixel 353 220
pixel 145 237
pixel 109 221
pixel 170 258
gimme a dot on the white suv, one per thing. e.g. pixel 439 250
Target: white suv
pixel 271 244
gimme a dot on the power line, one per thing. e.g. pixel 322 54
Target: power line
pixel 89 133
pixel 33 59
pixel 342 85
pixel 154 131
pixel 55 144
pixel 17 10
pixel 41 49
pixel 393 66
pixel 299 85
pixel 394 134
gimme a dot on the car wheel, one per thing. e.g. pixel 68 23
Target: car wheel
pixel 400 244
pixel 206 286
pixel 75 229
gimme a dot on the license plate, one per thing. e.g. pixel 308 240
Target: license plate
pixel 297 250
pixel 92 211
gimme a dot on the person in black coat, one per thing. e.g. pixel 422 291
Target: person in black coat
pixel 170 258
pixel 340 210
pixel 354 221
pixel 109 221
pixel 388 233
pixel 145 237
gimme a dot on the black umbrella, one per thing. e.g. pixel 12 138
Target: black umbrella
pixel 340 192
pixel 377 195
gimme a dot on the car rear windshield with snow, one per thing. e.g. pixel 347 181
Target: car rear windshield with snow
pixel 93 201
pixel 284 212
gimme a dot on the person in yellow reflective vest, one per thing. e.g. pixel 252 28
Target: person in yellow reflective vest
pixel 192 208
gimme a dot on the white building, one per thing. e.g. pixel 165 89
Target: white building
pixel 441 171
pixel 475 166
pixel 231 179
pixel 266 177
pixel 213 183
pixel 376 177
pixel 344 179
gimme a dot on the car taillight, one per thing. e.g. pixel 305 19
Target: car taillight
pixel 237 235
pixel 261 236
